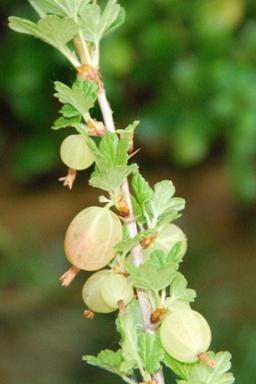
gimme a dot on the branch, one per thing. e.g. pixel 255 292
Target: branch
pixel 137 252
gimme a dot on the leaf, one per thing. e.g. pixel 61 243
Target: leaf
pixel 69 111
pixel 51 29
pixel 37 8
pixel 80 99
pixel 108 360
pixel 111 180
pixel 130 325
pixel 59 7
pixel 111 159
pixel 63 122
pixel 201 373
pixel 182 370
pixel 177 253
pixel 96 23
pixel 150 351
pixel 149 276
pixel 128 244
pixel 180 295
pixel 163 207
pixel 141 188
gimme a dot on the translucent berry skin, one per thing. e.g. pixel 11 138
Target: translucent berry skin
pixel 75 153
pixel 91 237
pixel 167 238
pixel 115 288
pixel 91 293
pixel 184 334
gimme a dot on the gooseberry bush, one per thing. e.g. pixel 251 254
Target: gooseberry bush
pixel 131 233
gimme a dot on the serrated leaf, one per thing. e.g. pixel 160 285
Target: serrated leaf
pixel 163 207
pixel 148 276
pixel 201 373
pixel 107 359
pixel 141 189
pixel 127 245
pixel 177 253
pixel 69 111
pixel 180 295
pixel 112 180
pixel 63 122
pixel 60 7
pixel 182 370
pixel 51 29
pixel 95 23
pixel 150 351
pixel 130 325
pixel 37 8
pixel 80 99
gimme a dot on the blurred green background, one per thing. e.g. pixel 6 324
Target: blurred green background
pixel 187 70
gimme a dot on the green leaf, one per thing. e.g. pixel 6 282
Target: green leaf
pixel 153 277
pixel 201 373
pixel 127 245
pixel 69 111
pixel 141 188
pixel 59 7
pixel 108 360
pixel 151 351
pixel 180 295
pixel 51 29
pixel 95 23
pixel 80 99
pixel 112 180
pixel 37 8
pixel 63 122
pixel 163 207
pixel 182 370
pixel 111 159
pixel 177 253
pixel 130 325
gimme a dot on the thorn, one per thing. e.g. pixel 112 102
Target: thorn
pixel 68 181
pixel 134 153
pixel 67 278
pixel 120 270
pixel 89 314
pixel 157 315
pixel 206 360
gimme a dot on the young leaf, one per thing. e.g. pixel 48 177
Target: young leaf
pixel 163 208
pixel 130 325
pixel 182 370
pixel 96 23
pixel 51 29
pixel 108 360
pixel 201 373
pixel 80 99
pixel 59 7
pixel 149 276
pixel 127 245
pixel 151 351
pixel 141 188
pixel 63 122
pixel 176 254
pixel 111 180
pixel 180 295
pixel 37 8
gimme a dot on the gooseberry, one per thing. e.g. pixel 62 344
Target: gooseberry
pixel 170 235
pixel 91 293
pixel 75 153
pixel 115 289
pixel 91 237
pixel 185 335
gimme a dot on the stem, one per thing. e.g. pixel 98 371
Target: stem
pixel 137 252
